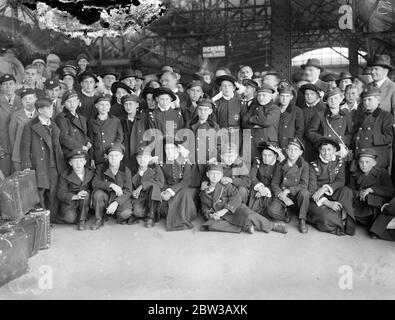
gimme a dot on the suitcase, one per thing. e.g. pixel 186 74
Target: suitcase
pixel 45 236
pixel 18 195
pixel 33 225
pixel 14 252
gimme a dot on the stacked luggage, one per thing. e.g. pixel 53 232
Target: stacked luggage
pixel 24 227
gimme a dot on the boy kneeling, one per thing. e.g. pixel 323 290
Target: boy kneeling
pixel 113 187
pixel 147 184
pixel 223 210
pixel 74 189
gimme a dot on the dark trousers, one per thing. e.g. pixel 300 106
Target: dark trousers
pixel 101 202
pixel 48 197
pixel 278 209
pixel 75 211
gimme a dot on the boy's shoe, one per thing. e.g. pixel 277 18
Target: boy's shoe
pixel 133 220
pixel 250 229
pixel 302 226
pixel 279 227
pixel 149 223
pixel 97 224
pixel 82 225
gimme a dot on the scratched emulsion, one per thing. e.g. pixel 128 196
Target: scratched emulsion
pixel 89 19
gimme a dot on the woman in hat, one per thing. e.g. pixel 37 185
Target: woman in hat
pixel 118 90
pixel 178 198
pixel 261 175
pixel 372 188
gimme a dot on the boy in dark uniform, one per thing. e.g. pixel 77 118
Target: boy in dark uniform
pixel 195 93
pixel 289 185
pixel 261 175
pixel 74 191
pixel 104 130
pixel 134 125
pixel 166 114
pixel 330 208
pixel 147 184
pixel 119 90
pixel 372 188
pixel 87 80
pixel 223 210
pixel 112 186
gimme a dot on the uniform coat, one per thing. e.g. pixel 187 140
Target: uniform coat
pixel 118 110
pixel 103 134
pixel 324 218
pixel 157 119
pixel 324 86
pixel 18 121
pixel 379 226
pixel 87 107
pixel 239 173
pixel 73 131
pixel 180 210
pixel 227 112
pixel 6 111
pixel 291 125
pixel 375 131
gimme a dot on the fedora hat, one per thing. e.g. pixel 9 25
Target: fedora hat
pixel 313 62
pixel 381 60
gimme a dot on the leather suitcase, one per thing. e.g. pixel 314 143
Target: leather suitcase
pixel 14 252
pixel 18 195
pixel 33 225
pixel 45 237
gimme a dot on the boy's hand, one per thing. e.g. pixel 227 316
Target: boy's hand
pixel 117 189
pixel 204 185
pixel 165 195
pixel 136 193
pixel 220 213
pixel 112 208
pixel 226 180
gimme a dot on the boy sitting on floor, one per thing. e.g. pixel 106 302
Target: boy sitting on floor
pixel 223 210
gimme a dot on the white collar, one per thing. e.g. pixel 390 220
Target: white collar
pixel 314 104
pixel 29 114
pixel 102 116
pixel 324 161
pixel 88 94
pixel 315 81
pixel 380 83
pixel 164 110
pixel 44 122
pixel 228 98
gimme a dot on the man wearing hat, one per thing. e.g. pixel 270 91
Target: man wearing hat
pixel 104 130
pixel 52 91
pixel 261 175
pixel 224 211
pixel 374 128
pixel 87 80
pixel 289 185
pixel 134 125
pixel 272 78
pixel 30 81
pixel 9 104
pixel 170 80
pixel 330 208
pixel 244 72
pixel 41 151
pixel 344 80
pixel 118 90
pixel 128 77
pixel 108 76
pixel 311 106
pixel 381 66
pixel 263 118
pixel 75 188
pixel 112 187
pixel 248 95
pixel 372 188
pixel 331 79
pixel 291 123
pixel 18 121
pixel 73 126
pixel 147 183
pixel 139 82
pixel 195 93
pixel 166 112
pixel 334 123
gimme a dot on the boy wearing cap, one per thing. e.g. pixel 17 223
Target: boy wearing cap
pixel 165 113
pixel 374 128
pixel 372 188
pixel 74 191
pixel 109 76
pixel 147 184
pixel 312 105
pixel 134 125
pixel 261 175
pixel 178 198
pixel 41 151
pixel 195 94
pixel 112 187
pixel 291 123
pixel 119 89
pixel 330 208
pixel 224 211
pixel 248 95
pixel 334 123
pixel 104 130
pixel 52 90
pixel 73 126
pixel 18 121
pixel 87 80
pixel 289 185
pixel 9 104
pixel 263 118
pixel 170 80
